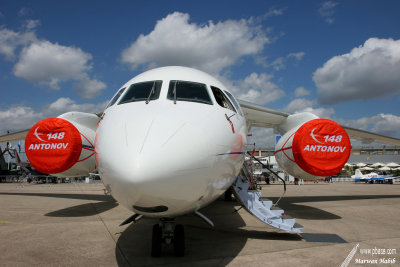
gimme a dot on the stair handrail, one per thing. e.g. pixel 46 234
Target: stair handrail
pixel 267 167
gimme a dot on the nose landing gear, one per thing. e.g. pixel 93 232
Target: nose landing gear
pixel 168 233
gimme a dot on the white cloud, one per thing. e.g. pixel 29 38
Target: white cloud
pixel 298 56
pixel 304 105
pixel 24 11
pixel 45 63
pixel 89 88
pixel 298 105
pixel 256 88
pixel 23 117
pixel 10 41
pixel 31 24
pixel 301 91
pixel 280 62
pixel 369 71
pixel 385 124
pixel 327 10
pixel 262 137
pixel 210 47
pixel 272 12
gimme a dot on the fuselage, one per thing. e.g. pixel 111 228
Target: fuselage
pixel 171 141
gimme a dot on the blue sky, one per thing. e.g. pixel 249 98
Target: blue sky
pixel 339 59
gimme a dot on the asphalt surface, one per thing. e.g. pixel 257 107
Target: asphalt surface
pixel 77 225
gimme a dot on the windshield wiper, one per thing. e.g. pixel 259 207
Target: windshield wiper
pixel 151 92
pixel 175 92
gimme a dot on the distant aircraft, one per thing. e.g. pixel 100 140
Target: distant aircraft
pixel 373 177
pixel 173 139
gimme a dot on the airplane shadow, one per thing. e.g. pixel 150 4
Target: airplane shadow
pixel 87 209
pixel 227 239
pixel 291 206
pixel 59 195
pixel 203 242
pixel 106 202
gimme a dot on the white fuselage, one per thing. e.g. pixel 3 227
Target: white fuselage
pixel 166 158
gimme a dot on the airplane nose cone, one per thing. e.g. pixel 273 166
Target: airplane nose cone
pixel 145 158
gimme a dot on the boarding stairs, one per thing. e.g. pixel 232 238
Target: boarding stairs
pixel 248 195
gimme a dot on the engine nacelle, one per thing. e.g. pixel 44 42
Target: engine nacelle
pixel 317 148
pixel 63 146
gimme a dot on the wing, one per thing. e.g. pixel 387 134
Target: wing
pixel 259 116
pixel 14 136
pixel 368 137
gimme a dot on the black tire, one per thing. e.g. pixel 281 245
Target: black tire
pixel 156 243
pixel 179 240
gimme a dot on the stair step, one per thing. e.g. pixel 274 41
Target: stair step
pixel 277 211
pixel 267 203
pixel 288 220
pixel 298 226
pixel 262 208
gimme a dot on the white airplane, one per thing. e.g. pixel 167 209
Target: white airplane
pixel 372 177
pixel 197 130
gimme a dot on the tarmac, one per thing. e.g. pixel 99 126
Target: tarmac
pixel 78 225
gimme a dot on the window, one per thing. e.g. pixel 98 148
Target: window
pixel 235 103
pixel 221 99
pixel 115 98
pixel 144 91
pixel 188 91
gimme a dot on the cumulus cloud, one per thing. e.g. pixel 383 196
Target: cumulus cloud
pixel 327 10
pixel 210 47
pixel 89 88
pixel 48 64
pixel 262 137
pixel 305 105
pixel 385 124
pixel 22 117
pixel 255 88
pixel 11 40
pixel 369 71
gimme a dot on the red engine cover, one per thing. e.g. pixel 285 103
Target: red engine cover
pixel 53 145
pixel 321 147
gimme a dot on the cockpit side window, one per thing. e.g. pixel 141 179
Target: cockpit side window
pixel 144 91
pixel 188 91
pixel 115 97
pixel 235 103
pixel 221 99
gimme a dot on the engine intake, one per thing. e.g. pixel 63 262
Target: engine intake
pixel 317 148
pixel 62 146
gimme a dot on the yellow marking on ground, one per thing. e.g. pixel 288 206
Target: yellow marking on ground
pixel 4 222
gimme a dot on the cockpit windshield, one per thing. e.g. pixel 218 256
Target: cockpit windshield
pixel 115 98
pixel 221 99
pixel 144 91
pixel 188 91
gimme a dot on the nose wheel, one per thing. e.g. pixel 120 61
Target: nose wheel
pixel 168 233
